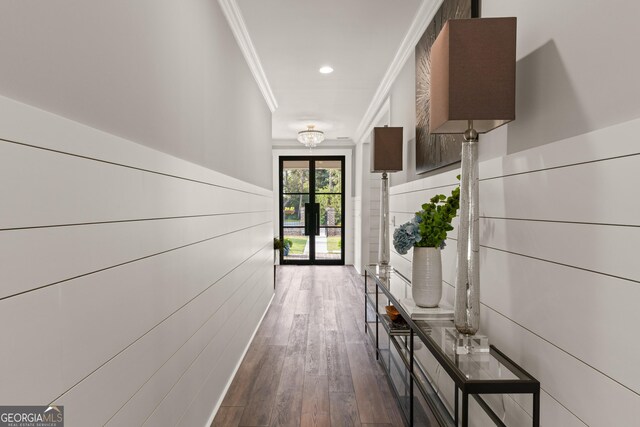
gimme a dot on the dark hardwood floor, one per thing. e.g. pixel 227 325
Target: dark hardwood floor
pixel 310 363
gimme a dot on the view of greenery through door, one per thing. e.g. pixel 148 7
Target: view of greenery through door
pixel 316 181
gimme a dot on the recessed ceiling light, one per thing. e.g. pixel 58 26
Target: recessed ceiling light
pixel 326 70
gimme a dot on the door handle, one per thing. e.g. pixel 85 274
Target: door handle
pixel 317 209
pixel 307 218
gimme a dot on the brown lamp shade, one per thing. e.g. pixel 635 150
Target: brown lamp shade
pixel 473 75
pixel 386 150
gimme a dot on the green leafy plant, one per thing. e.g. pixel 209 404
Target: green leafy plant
pixel 434 220
pixel 429 227
pixel 282 244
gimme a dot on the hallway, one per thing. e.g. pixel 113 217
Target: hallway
pixel 310 363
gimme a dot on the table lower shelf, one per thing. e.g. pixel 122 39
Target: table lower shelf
pixel 393 354
pixel 427 380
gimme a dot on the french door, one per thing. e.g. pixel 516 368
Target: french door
pixel 312 209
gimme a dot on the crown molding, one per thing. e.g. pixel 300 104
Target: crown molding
pixel 236 22
pixel 423 17
pixel 383 115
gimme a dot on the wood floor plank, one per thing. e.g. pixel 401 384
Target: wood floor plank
pixel 228 416
pixel 338 369
pixel 366 360
pixel 287 409
pixel 344 410
pixel 284 287
pixel 329 291
pixel 310 363
pixel 377 368
pixel 390 404
pixel 350 330
pixel 285 319
pixel 316 313
pixel 370 402
pixel 330 319
pixel 242 384
pixel 267 327
pixel 316 355
pixel 318 285
pixel 263 393
pixel 305 299
pixel 315 402
pixel 297 344
pixel 307 281
pixel 346 312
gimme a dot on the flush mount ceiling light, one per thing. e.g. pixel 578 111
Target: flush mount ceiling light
pixel 326 69
pixel 310 137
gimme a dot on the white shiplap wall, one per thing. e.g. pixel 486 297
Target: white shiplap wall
pixel 357 233
pixel 560 283
pixel 359 228
pixel 368 210
pixel 131 281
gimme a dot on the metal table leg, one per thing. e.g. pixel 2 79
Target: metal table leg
pixel 455 416
pixel 365 302
pixel 411 377
pixel 465 409
pixel 377 325
pixel 536 409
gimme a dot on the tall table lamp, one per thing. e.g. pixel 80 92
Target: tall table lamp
pixel 473 79
pixel 386 156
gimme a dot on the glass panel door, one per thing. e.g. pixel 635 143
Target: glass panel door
pixel 294 200
pixel 312 209
pixel 328 195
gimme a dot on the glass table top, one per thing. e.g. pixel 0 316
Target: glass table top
pixel 439 335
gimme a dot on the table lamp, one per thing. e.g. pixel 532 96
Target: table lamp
pixel 473 76
pixel 386 156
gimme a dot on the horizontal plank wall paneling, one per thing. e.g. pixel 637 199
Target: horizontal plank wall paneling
pixel 64 253
pixel 168 350
pixel 532 238
pixel 130 281
pixel 550 300
pixel 216 381
pixel 50 192
pixel 560 282
pixel 358 255
pixel 568 193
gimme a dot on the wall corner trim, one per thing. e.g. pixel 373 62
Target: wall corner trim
pixel 236 22
pixel 422 19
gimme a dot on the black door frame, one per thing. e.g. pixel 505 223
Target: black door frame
pixel 312 193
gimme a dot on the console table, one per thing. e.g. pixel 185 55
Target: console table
pixel 414 357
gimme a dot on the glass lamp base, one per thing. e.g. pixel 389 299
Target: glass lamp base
pixel 384 269
pixel 384 255
pixel 465 344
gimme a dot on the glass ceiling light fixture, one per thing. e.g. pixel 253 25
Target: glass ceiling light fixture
pixel 310 137
pixel 326 69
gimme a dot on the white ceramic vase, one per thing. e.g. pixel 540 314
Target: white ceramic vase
pixel 426 277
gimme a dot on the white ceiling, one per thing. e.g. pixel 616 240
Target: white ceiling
pixel 294 38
